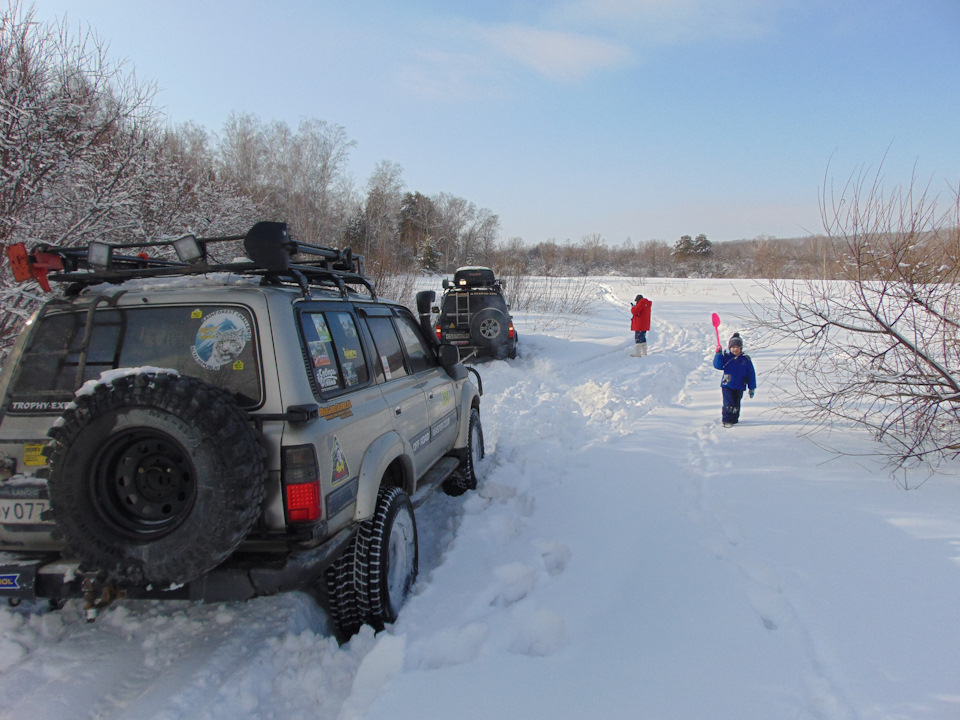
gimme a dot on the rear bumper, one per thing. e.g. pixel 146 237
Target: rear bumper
pixel 245 575
pixel 498 352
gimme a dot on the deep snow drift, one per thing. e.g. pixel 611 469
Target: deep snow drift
pixel 624 557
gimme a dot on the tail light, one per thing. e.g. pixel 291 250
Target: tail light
pixel 301 484
pixel 511 333
pixel 439 333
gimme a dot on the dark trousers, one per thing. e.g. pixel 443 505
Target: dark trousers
pixel 731 404
pixel 640 336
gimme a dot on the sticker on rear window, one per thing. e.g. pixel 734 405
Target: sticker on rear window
pixel 220 339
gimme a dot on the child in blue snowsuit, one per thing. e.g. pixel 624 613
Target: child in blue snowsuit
pixel 738 375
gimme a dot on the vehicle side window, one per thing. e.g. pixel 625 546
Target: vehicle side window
pixel 347 341
pixel 388 347
pixel 323 358
pixel 420 357
pixel 336 355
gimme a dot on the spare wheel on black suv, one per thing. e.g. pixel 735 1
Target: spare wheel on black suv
pixel 154 477
pixel 489 327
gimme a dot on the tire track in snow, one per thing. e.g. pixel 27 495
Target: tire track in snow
pixel 763 585
pixel 692 370
pixel 542 422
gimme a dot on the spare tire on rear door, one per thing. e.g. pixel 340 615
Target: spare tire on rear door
pixel 488 328
pixel 155 478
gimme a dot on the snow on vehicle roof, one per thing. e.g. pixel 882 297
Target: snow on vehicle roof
pixel 176 282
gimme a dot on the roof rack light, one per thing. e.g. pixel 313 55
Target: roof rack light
pixel 188 249
pixel 99 255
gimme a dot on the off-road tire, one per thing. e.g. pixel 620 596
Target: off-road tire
pixel 465 478
pixel 154 478
pixel 372 578
pixel 343 586
pixel 393 552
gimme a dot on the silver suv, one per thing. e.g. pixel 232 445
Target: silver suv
pixel 185 429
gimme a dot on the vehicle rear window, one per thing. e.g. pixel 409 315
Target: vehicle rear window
pixel 216 344
pixel 472 301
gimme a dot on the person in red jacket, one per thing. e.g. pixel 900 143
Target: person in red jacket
pixel 640 323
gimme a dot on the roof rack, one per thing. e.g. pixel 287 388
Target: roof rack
pixel 268 246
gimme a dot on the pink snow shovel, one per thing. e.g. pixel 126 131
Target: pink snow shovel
pixel 716 326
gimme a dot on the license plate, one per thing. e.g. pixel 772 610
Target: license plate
pixel 22 512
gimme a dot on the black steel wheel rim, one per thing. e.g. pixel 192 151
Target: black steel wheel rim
pixel 143 484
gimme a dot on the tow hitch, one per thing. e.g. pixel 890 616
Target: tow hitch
pixel 97 596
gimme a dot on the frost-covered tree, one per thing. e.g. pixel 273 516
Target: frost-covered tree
pixel 683 248
pixel 74 142
pixel 73 129
pixel 299 176
pixel 83 156
pixel 380 219
pixel 418 220
pixel 479 239
pixel 429 256
pixel 702 247
pixel 881 347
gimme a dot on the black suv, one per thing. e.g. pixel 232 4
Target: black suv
pixel 474 316
pixel 186 430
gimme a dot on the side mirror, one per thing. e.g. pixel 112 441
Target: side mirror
pixel 435 309
pixel 449 357
pixel 448 354
pixel 446 284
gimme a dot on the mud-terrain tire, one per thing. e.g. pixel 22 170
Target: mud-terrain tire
pixel 465 478
pixel 489 328
pixel 393 552
pixel 372 578
pixel 155 478
pixel 343 590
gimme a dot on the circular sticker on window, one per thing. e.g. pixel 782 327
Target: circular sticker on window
pixel 221 338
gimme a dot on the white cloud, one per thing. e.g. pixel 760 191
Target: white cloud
pixel 469 60
pixel 448 75
pixel 556 54
pixel 569 41
pixel 673 21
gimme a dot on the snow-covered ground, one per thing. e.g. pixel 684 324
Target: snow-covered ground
pixel 624 557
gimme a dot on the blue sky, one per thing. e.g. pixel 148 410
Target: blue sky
pixel 634 119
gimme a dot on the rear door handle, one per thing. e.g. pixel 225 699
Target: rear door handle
pixel 397 410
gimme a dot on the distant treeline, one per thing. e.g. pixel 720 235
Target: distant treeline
pixel 761 257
